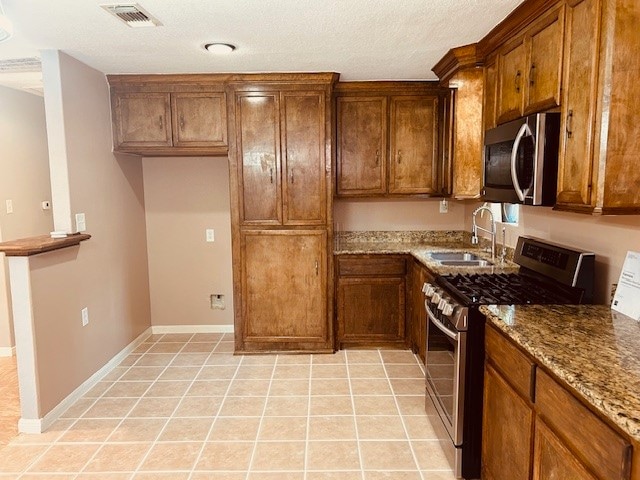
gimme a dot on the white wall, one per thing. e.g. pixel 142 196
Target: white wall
pixel 183 198
pixel 24 179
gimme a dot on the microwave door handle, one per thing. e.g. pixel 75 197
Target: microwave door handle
pixel 524 130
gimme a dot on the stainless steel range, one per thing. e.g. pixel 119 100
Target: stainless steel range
pixel 549 274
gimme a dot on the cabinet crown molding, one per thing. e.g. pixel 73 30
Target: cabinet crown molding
pixel 455 60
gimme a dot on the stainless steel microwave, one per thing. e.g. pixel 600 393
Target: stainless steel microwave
pixel 521 161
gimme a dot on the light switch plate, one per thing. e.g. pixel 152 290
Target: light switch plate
pixel 210 235
pixel 81 224
pixel 9 206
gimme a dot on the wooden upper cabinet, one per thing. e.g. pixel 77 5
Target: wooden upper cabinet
pixel 529 68
pixel 413 145
pixel 199 119
pixel 258 145
pixel 284 301
pixel 303 158
pixel 544 50
pixel 490 93
pixel 142 120
pixel 362 145
pixel 579 103
pixel 280 140
pixel 511 67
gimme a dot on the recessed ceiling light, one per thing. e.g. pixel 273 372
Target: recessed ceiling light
pixel 219 48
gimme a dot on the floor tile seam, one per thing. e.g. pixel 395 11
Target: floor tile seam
pixel 355 423
pixel 404 426
pixel 264 409
pixel 217 415
pixel 308 424
pixel 126 416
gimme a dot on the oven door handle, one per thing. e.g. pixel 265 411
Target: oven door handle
pixel 524 130
pixel 441 326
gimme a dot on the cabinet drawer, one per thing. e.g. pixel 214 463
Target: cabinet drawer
pixel 511 362
pixel 600 448
pixel 385 265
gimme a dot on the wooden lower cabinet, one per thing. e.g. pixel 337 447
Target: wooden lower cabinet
pixel 507 430
pixel 370 301
pixel 418 315
pixel 284 298
pixel 548 435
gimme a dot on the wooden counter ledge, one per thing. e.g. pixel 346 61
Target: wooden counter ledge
pixel 25 247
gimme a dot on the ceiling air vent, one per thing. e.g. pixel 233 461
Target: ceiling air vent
pixel 20 65
pixel 132 14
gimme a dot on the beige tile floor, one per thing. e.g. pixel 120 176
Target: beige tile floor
pixel 183 407
pixel 9 400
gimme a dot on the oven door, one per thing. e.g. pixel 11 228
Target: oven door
pixel 445 373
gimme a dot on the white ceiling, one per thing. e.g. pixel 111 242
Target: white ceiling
pixel 360 39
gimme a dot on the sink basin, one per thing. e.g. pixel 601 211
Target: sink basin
pixel 454 256
pixel 465 263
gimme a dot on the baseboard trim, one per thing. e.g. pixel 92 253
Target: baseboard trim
pixel 41 425
pixel 160 329
pixel 7 351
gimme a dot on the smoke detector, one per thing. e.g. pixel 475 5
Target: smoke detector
pixel 132 15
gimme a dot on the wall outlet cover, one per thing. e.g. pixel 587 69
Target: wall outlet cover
pixel 210 235
pixel 84 313
pixel 444 206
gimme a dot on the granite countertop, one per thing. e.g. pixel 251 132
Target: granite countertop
pixel 592 348
pixel 420 245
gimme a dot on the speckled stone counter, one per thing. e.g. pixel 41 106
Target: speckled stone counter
pixel 595 350
pixel 420 244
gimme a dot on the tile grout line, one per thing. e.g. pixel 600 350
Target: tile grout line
pixel 264 409
pixel 404 426
pixel 104 442
pixel 355 419
pixel 306 436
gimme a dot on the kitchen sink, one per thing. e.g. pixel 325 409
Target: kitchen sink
pixel 454 256
pixel 465 263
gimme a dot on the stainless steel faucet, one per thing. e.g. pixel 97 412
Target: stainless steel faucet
pixel 492 232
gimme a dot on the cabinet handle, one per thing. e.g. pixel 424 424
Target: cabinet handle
pixel 377 157
pixel 292 177
pixel 570 124
pixel 517 81
pixel 531 74
pixel 181 122
pixel 161 122
pixel 399 156
pixel 271 174
pixel 317 266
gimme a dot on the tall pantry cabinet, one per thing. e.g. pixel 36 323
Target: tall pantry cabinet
pixel 281 195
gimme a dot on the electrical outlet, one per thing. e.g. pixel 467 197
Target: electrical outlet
pixel 444 206
pixel 84 313
pixel 9 206
pixel 217 301
pixel 209 235
pixel 81 224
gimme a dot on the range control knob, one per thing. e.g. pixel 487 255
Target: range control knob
pixel 428 290
pixel 447 310
pixel 436 297
pixel 442 304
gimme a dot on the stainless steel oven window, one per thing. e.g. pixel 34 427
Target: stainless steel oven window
pixel 445 373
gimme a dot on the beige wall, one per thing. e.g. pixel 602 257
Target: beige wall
pixel 183 197
pixel 24 178
pixel 609 237
pixel 396 214
pixel 108 274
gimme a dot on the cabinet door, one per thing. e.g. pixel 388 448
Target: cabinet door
pixel 142 119
pixel 552 459
pixel 490 93
pixel 413 145
pixel 579 82
pixel 258 144
pixel 303 152
pixel 507 430
pixel 511 62
pixel 371 310
pixel 544 41
pixel 199 119
pixel 284 286
pixel 362 146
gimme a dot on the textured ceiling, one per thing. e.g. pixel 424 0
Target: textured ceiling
pixel 360 39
